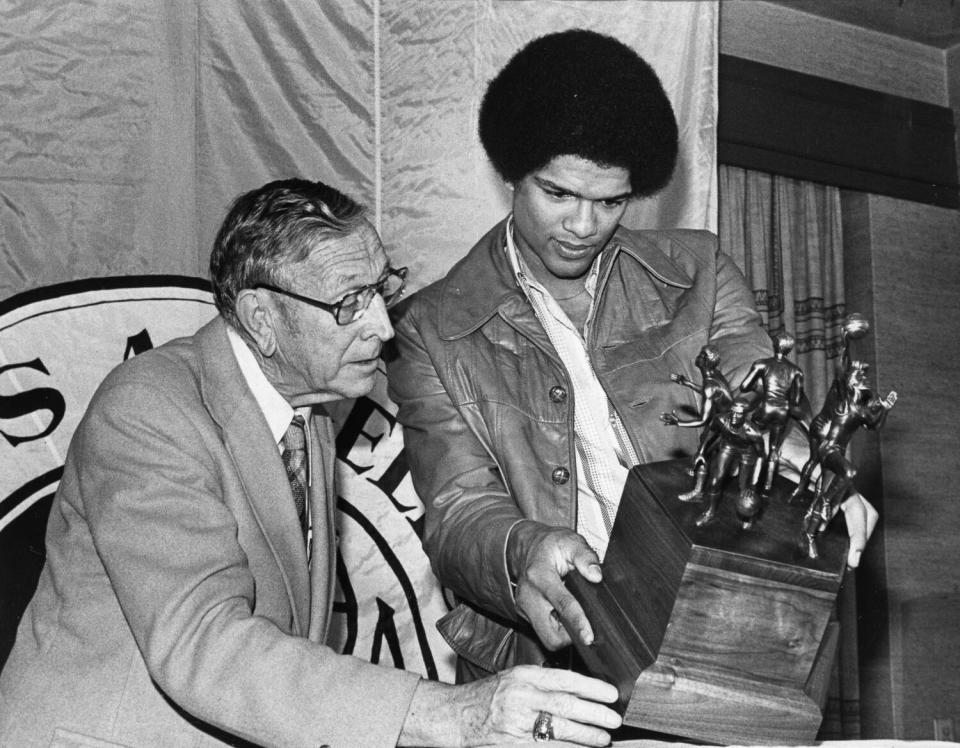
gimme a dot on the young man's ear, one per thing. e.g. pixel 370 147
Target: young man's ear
pixel 257 316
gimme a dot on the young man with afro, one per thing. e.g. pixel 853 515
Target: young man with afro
pixel 531 378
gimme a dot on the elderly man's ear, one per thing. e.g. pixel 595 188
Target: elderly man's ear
pixel 257 318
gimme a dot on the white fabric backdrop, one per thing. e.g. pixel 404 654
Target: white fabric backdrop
pixel 126 127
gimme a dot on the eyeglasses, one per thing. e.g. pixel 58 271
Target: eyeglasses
pixel 352 306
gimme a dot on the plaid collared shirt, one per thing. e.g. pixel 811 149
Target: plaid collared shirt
pixel 603 449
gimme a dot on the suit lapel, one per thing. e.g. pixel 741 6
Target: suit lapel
pixel 323 500
pixel 247 438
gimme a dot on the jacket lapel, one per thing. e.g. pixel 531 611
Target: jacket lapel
pixel 322 512
pixel 482 283
pixel 476 286
pixel 247 438
pixel 653 250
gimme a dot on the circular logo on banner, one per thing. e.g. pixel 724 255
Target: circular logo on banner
pixel 56 346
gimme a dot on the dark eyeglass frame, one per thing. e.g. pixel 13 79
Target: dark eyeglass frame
pixel 357 295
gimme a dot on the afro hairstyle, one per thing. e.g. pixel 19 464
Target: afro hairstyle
pixel 585 94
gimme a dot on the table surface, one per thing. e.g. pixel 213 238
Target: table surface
pixel 825 744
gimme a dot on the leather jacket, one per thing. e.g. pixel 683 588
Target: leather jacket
pixel 487 408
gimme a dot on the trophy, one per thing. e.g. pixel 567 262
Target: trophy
pixel 713 618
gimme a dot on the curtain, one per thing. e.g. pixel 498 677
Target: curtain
pixel 786 236
pixel 129 126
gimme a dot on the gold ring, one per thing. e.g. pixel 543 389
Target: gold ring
pixel 543 727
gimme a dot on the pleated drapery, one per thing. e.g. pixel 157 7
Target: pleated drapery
pixel 786 235
pixel 128 127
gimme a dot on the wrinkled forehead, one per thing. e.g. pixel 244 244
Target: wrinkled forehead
pixel 340 263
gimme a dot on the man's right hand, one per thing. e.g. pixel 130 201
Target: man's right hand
pixel 502 708
pixel 538 558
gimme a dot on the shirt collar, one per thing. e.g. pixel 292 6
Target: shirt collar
pixel 525 279
pixel 276 410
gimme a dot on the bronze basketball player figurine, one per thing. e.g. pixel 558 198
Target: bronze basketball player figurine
pixel 849 406
pixel 715 399
pixel 780 383
pixel 738 444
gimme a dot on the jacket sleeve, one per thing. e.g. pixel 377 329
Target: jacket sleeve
pixel 151 479
pixel 469 512
pixel 736 328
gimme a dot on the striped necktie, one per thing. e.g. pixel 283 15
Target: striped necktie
pixel 294 455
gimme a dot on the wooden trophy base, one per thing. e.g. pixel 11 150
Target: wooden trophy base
pixel 717 633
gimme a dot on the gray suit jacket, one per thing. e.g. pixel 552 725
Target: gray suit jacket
pixel 176 607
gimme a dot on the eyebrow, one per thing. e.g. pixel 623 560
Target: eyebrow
pixel 353 283
pixel 553 186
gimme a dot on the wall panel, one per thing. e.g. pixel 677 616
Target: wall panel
pixel 795 40
pixel 903 270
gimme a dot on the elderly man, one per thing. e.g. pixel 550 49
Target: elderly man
pixel 190 549
pixel 531 377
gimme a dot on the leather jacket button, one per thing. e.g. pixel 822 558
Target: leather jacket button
pixel 557 394
pixel 560 475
